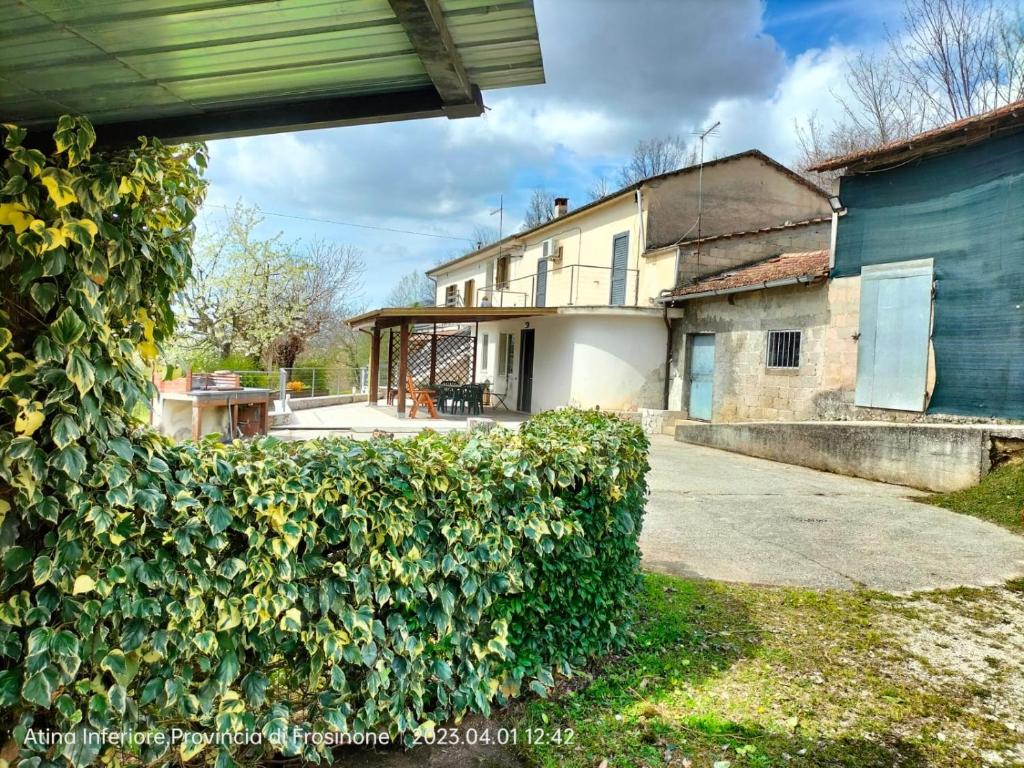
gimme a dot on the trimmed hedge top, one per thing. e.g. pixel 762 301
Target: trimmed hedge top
pixel 332 585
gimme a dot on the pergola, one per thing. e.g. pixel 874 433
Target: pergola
pixel 207 69
pixel 404 318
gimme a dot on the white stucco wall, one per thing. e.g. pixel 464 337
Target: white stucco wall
pixel 592 358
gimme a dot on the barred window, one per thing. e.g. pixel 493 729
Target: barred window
pixel 783 349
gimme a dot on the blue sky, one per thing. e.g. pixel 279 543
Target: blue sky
pixel 617 72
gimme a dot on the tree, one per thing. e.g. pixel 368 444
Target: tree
pixel 482 235
pixel 327 289
pixel 540 209
pixel 961 57
pixel 601 187
pixel 953 59
pixel 652 157
pixel 260 298
pixel 414 289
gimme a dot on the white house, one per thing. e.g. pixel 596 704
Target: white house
pixel 566 313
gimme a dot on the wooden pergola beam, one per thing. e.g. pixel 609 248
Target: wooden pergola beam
pixel 374 395
pixel 403 365
pixel 423 21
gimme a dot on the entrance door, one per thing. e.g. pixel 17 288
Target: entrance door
pixel 620 261
pixel 525 370
pixel 542 283
pixel 702 375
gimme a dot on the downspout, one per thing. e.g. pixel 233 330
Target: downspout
pixel 434 281
pixel 668 356
pixel 641 242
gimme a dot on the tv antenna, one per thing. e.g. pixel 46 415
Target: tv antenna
pixel 703 137
pixel 500 210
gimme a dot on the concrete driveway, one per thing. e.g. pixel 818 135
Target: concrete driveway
pixel 720 515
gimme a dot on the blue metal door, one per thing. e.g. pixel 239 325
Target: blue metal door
pixel 702 375
pixel 895 327
pixel 542 283
pixel 620 261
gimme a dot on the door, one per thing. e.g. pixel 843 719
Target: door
pixel 525 370
pixel 468 289
pixel 542 283
pixel 620 261
pixel 895 327
pixel 702 375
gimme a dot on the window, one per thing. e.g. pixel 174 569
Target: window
pixel 484 351
pixel 451 296
pixel 784 349
pixel 501 280
pixel 511 354
pixel 506 354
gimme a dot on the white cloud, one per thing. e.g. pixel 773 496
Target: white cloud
pixel 617 72
pixel 808 88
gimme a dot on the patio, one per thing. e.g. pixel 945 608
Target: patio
pixel 432 344
pixel 361 420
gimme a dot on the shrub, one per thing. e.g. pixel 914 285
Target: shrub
pixel 332 585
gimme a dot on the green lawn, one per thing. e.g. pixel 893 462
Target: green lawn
pixel 730 675
pixel 998 498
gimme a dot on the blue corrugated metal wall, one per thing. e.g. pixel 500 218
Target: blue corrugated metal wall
pixel 965 210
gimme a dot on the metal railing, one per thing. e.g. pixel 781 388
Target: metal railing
pixel 308 382
pixel 569 285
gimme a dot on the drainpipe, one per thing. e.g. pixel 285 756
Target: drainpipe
pixel 434 281
pixel 668 356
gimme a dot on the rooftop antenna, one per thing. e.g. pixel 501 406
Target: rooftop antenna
pixel 500 210
pixel 712 131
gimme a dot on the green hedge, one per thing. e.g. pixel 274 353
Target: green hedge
pixel 336 585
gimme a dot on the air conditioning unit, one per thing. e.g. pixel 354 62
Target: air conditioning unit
pixel 551 250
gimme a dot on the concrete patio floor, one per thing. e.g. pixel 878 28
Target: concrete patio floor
pixel 362 419
pixel 724 516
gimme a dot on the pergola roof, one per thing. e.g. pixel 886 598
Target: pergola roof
pixel 184 69
pixel 389 317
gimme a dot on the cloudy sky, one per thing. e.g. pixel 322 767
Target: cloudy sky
pixel 617 71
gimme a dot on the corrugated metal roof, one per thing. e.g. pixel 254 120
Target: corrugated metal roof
pixel 137 60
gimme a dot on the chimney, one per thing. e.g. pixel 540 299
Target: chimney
pixel 561 206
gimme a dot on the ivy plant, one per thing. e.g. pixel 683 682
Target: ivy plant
pixel 278 589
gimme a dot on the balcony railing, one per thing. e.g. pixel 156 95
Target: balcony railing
pixel 569 285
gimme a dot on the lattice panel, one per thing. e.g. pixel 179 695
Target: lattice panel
pixel 433 359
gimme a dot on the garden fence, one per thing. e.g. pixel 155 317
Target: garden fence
pixel 308 382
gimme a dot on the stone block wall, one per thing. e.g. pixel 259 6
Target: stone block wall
pixel 745 389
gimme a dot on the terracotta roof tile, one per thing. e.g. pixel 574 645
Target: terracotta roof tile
pixel 811 265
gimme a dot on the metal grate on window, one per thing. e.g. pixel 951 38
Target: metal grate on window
pixel 783 349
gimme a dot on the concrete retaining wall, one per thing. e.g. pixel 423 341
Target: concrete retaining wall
pixel 928 456
pixel 305 403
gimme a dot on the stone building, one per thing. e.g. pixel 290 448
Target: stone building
pixel 756 342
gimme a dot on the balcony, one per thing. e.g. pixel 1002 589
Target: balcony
pixel 565 286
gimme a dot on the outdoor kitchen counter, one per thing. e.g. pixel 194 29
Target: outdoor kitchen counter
pixel 252 404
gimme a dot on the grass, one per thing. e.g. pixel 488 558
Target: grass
pixel 998 498
pixel 733 675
